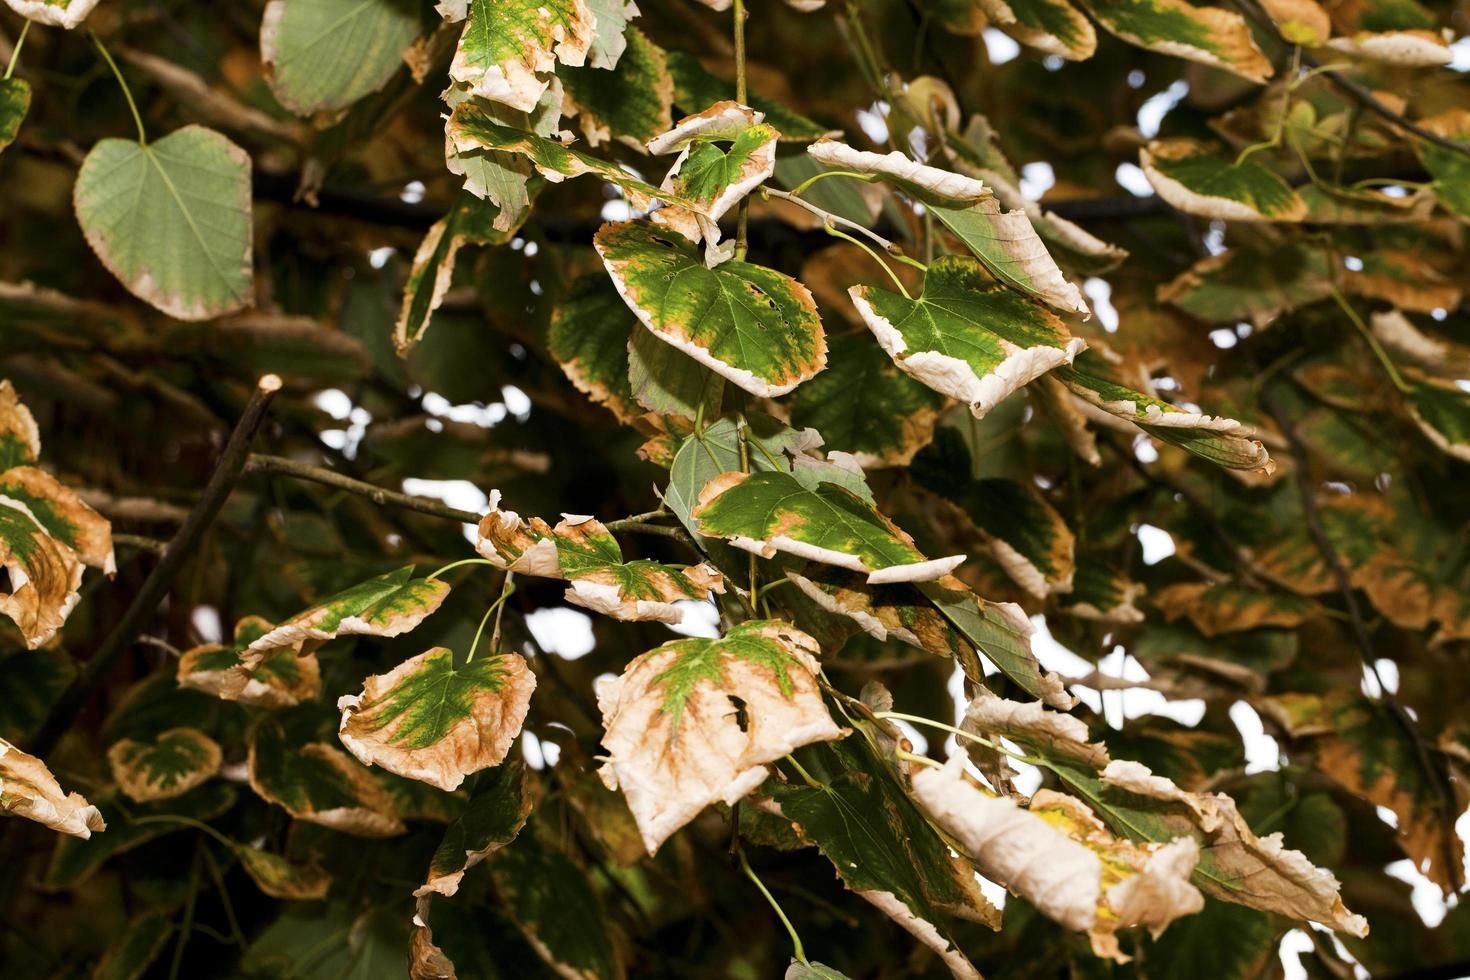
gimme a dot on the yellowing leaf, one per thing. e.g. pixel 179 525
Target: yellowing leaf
pixel 581 550
pixel 27 789
pixel 1419 49
pixel 1197 180
pixel 678 740
pixel 168 766
pixel 319 783
pixel 430 721
pixel 1209 35
pixel 43 574
pixel 15 102
pixel 1062 860
pixel 1229 608
pixel 508 46
pixel 281 680
pixel 764 513
pixel 1302 22
pixel 1053 27
pixel 279 878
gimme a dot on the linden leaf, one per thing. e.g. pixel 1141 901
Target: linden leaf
pixel 588 337
pixel 27 789
pixel 663 378
pixel 172 220
pixel 43 574
pixel 281 680
pixel 63 515
pixel 1251 284
pixel 1442 412
pixel 1302 22
pixel 695 89
pixel 1061 859
pixel 388 605
pixel 1196 180
pixel 1228 608
pixel 168 766
pixel 764 513
pixel 430 721
pixel 279 878
pixel 509 45
pixel 1209 35
pixel 318 783
pixel 633 102
pixel 966 337
pixel 752 325
pixel 1052 27
pixel 695 721
pixel 493 817
pixel 1449 168
pixel 1025 533
pixel 504 178
pixel 20 437
pixel 899 611
pixel 1412 48
pixel 323 55
pixel 581 550
pixel 1426 348
pixel 56 13
pixel 15 102
pixel 1004 241
pixel 1103 594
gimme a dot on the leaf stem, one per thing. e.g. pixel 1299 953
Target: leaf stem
pixel 742 96
pixel 15 51
pixel 798 951
pixel 127 92
pixel 1377 348
pixel 806 776
pixel 836 232
pixel 801 187
pixel 921 720
pixel 462 561
pixel 186 822
pixel 507 589
pixel 187 925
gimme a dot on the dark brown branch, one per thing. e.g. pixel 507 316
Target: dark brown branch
pixel 258 463
pixel 145 602
pixel 140 543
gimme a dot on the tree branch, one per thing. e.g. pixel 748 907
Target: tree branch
pixel 259 463
pixel 145 602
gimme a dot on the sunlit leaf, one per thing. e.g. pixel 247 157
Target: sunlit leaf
pixel 1052 27
pixel 1210 35
pixel 508 45
pixel 1197 180
pixel 695 89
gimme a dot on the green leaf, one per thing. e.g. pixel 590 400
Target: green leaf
pixel 31 681
pixel 505 179
pixel 554 903
pixel 712 177
pixel 696 89
pixel 1251 284
pixel 1449 168
pixel 470 220
pixel 966 337
pixel 509 46
pixel 281 680
pixel 588 337
pixel 168 766
pixel 812 971
pixel 495 814
pixel 632 103
pixel 1225 942
pixel 430 721
pixel 141 943
pixel 1209 35
pixel 318 783
pixel 388 605
pixel 279 878
pixel 1053 27
pixel 663 378
pixel 15 102
pixel 674 744
pixel 172 220
pixel 863 405
pixel 754 326
pixel 769 512
pixel 323 55
pixel 1442 413
pixel 1196 180
pixel 1025 533
pixel 1226 607
pixel 1101 593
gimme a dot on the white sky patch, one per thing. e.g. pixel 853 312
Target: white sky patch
pixel 920 743
pixel 701 618
pixel 996 894
pixel 1155 107
pixel 485 416
pixel 1001 47
pixel 1353 263
pixel 1143 449
pixel 1223 338
pixel 516 400
pixel 1214 238
pixel 562 630
pixel 207 623
pixel 1131 178
pixel 1037 178
pixel 617 210
pixel 456 493
pixel 1262 753
pixel 539 754
pixel 1428 900
pixel 1385 669
pixel 412 193
pixel 1124 705
pixel 334 402
pixel 1387 816
pixel 1136 78
pixel 873 123
pixel 379 257
pixel 1293 944
pixel 1157 543
pixel 1460 55
pixel 1100 291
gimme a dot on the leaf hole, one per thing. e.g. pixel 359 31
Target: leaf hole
pixel 742 713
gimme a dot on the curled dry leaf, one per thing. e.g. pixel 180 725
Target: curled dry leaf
pixel 167 766
pixel 764 513
pixel 387 605
pixel 64 515
pixel 281 679
pixel 695 721
pixel 583 551
pixel 43 574
pixel 713 178
pixel 1062 859
pixel 1415 49
pixel 1031 723
pixel 1053 27
pixel 1210 35
pixel 27 789
pixel 430 721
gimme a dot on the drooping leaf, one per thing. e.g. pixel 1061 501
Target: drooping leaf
pixel 1053 27
pixel 589 339
pixel 965 337
pixel 172 220
pixel 323 55
pixel 495 814
pixel 1229 608
pixel 764 513
pixel 1251 284
pixel 611 37
pixel 1197 180
pixel 863 405
pixel 1426 349
pixel 755 326
pixel 57 13
pixel 430 721
pixel 1210 35
pixel 27 789
pixel 1101 593
pixel 663 378
pixel 1001 631
pixel 1442 412
pixel 674 738
pixel 318 783
pixel 280 878
pixel 168 766
pixel 1449 168
pixel 281 680
pixel 15 102
pixel 1060 858
pixel 504 178
pixel 581 550
pixel 509 45
pixel 388 605
pixel 63 515
pixel 883 611
pixel 631 103
pixel 1412 48
pixel 42 574
pixel 1025 534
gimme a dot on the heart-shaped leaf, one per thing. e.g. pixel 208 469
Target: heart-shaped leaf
pixel 280 680
pixel 1196 180
pixel 324 55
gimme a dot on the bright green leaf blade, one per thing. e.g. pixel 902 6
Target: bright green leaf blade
pixel 768 512
pixel 324 55
pixel 1209 35
pixel 1010 248
pixel 1198 181
pixel 172 220
pixel 754 326
pixel 430 721
pixel 966 337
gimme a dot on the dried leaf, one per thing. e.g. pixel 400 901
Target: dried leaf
pixel 27 789
pixel 319 783
pixel 509 45
pixel 281 680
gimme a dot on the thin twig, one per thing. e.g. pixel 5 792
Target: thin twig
pixel 226 473
pixel 260 463
pixel 140 543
